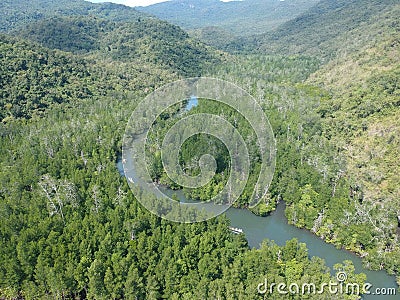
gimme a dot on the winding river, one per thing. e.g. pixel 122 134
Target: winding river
pixel 276 228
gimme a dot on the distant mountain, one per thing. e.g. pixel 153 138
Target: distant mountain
pixel 101 58
pixel 326 28
pixel 213 36
pixel 17 13
pixel 242 18
pixel 147 40
pixel 104 46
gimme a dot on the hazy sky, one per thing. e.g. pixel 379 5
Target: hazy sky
pixel 131 2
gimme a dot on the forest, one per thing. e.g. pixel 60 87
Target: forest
pixel 72 229
pixel 233 17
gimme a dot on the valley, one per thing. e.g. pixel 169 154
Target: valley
pixel 325 73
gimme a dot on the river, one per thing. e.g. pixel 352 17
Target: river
pixel 275 228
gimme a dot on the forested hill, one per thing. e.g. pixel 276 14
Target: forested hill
pixel 97 56
pixel 236 17
pixel 34 78
pixel 70 228
pixel 146 40
pixel 17 13
pixel 359 42
pixel 327 27
pixel 362 115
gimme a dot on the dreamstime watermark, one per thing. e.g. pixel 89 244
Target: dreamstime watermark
pixel 135 156
pixel 339 286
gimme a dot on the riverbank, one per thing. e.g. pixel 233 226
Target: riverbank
pixel 276 228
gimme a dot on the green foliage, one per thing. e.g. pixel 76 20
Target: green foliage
pixel 33 78
pixel 160 44
pixel 328 27
pixel 213 36
pixel 361 118
pixel 265 207
pixel 17 14
pixel 198 145
pixel 143 40
pixel 304 212
pixel 71 34
pixel 104 244
pixel 70 227
pixel 351 203
pixel 238 18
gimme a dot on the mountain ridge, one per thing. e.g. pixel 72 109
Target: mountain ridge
pixel 18 13
pixel 322 30
pixel 147 40
pixel 236 17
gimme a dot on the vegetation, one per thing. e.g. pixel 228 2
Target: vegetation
pixel 329 29
pixel 34 78
pixel 213 36
pixel 16 14
pixel 200 144
pixel 361 117
pixel 144 40
pixel 336 146
pixel 70 227
pixel 355 122
pixel 236 17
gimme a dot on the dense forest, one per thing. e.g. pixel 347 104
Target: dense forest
pixel 322 186
pixel 157 43
pixel 18 14
pixel 328 29
pixel 71 73
pixel 71 228
pixel 240 18
pixel 121 54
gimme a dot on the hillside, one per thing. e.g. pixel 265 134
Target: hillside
pixel 17 13
pixel 106 54
pixel 70 226
pixel 72 229
pixel 362 114
pixel 327 27
pixel 35 79
pixel 362 118
pixel 240 18
pixel 124 52
pixel 213 36
pixel 155 42
pixel 359 41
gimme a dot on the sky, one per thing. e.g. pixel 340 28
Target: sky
pixel 136 2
